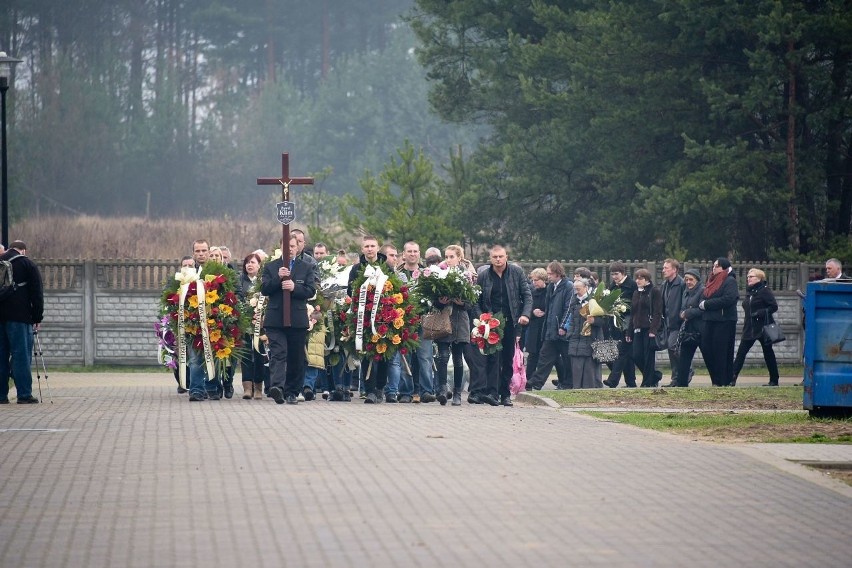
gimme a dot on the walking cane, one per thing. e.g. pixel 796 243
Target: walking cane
pixel 39 353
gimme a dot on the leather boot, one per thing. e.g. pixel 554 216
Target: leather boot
pixel 258 391
pixel 247 390
pixel 228 388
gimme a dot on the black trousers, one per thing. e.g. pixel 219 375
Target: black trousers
pixel 624 363
pixel 287 358
pixel 645 359
pixel 477 364
pixel 684 362
pixel 498 372
pixel 717 346
pixel 768 357
pixel 442 361
pixel 253 364
pixel 377 378
pixel 553 353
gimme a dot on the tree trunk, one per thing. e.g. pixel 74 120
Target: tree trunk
pixel 792 205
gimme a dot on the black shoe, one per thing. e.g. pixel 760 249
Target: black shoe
pixel 229 389
pixel 214 395
pixel 488 399
pixel 291 399
pixel 404 399
pixel 506 401
pixel 474 399
pixel 336 395
pixel 390 397
pixel 428 397
pixel 181 390
pixel 28 400
pixel 609 384
pixel 308 393
pixel 371 398
pixel 770 384
pixel 276 394
pixel 442 397
pixel 554 382
pixel 4 401
pixel 347 396
pixel 456 399
pixel 196 396
pixel 325 395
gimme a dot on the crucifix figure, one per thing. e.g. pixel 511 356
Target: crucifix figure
pixel 286 213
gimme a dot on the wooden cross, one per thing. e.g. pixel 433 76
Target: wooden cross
pixel 285 181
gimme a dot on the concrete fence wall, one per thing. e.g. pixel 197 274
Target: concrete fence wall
pixel 103 311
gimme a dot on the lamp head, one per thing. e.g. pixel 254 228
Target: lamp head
pixel 6 65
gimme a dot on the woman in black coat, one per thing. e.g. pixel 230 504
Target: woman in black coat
pixel 758 305
pixel 532 334
pixel 720 323
pixel 646 310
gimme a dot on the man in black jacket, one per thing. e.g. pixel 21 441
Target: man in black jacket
pixel 287 344
pixel 505 290
pixel 21 313
pixel 554 347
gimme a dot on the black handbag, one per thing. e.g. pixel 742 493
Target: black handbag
pixel 772 333
pixel 686 337
pixel 661 338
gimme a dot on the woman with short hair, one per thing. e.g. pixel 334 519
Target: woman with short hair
pixel 585 371
pixel 253 364
pixel 646 312
pixel 532 333
pixel 457 340
pixel 758 307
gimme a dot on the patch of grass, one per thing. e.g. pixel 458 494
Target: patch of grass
pixel 770 427
pixel 684 398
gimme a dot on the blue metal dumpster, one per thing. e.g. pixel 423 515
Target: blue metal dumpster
pixel 828 349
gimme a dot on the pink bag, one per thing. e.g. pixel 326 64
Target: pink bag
pixel 519 370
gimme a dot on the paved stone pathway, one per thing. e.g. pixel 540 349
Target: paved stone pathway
pixel 122 471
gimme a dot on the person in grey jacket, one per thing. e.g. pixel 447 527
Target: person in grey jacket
pixel 586 372
pixel 692 324
pixel 505 290
pixel 672 290
pixel 721 295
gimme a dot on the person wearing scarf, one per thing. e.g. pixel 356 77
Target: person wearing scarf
pixel 719 308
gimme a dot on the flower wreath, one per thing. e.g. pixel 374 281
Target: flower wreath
pixel 381 319
pixel 201 306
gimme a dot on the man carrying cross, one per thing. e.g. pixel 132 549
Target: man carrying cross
pixel 287 341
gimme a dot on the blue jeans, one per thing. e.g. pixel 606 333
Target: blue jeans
pixel 400 380
pixel 16 343
pixel 424 363
pixel 198 382
pixel 314 375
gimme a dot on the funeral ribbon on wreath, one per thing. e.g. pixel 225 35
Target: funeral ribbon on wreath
pixel 186 276
pixel 258 322
pixel 376 278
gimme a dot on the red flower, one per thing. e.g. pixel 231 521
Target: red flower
pixel 493 338
pixel 235 332
pixel 377 358
pixel 414 336
pixel 173 299
pixel 369 347
pixel 192 289
pixel 231 299
pixel 480 343
pixel 485 317
pixel 403 350
pixel 197 342
pixel 383 329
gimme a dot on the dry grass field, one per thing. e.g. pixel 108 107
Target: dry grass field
pixel 88 237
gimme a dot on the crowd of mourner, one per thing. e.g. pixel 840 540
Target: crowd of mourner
pixel 382 325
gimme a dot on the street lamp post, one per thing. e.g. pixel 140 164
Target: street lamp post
pixel 6 64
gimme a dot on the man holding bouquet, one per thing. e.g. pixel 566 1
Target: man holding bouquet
pixel 506 291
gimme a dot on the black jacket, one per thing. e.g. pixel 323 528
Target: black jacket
pixel 558 303
pixel 532 343
pixel 722 305
pixel 758 305
pixel 26 304
pixel 693 315
pixel 517 288
pixel 303 277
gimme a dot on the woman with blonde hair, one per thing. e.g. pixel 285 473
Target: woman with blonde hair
pixel 455 342
pixel 758 307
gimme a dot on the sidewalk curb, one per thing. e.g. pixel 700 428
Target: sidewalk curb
pixel 535 400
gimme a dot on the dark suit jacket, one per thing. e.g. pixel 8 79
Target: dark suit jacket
pixel 303 276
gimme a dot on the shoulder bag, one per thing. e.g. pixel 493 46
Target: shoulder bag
pixel 437 325
pixel 772 333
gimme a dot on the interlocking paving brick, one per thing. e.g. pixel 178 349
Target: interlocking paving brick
pixel 135 475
